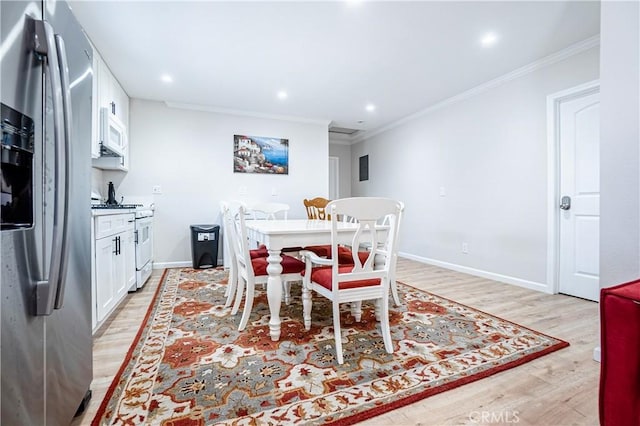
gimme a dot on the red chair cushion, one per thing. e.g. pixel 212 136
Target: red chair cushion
pixel 322 275
pixel 320 251
pixel 259 252
pixel 262 251
pixel 345 256
pixel 290 265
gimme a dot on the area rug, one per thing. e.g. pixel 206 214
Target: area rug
pixel 189 364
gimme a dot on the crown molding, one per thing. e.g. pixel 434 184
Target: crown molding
pixel 561 55
pixel 226 111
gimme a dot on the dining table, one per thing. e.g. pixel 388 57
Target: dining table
pixel 281 233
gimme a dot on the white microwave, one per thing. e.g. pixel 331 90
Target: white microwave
pixel 113 134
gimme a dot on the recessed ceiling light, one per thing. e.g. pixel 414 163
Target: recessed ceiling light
pixel 489 39
pixel 166 78
pixel 370 107
pixel 282 94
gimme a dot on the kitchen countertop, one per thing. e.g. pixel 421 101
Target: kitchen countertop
pixel 104 212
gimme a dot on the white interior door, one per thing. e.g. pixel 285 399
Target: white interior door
pixel 580 192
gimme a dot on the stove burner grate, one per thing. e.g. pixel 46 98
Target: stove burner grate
pixel 115 206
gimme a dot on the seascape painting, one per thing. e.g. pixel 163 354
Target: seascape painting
pixel 260 154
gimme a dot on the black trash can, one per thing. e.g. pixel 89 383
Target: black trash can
pixel 204 245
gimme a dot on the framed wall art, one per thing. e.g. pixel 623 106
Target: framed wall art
pixel 260 154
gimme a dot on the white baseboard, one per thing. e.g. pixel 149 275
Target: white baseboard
pixel 163 265
pixel 532 285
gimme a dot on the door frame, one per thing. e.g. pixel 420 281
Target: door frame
pixel 553 175
pixel 336 178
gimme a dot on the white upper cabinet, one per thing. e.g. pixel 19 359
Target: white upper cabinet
pixel 110 119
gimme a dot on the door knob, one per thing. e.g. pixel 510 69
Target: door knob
pixel 565 203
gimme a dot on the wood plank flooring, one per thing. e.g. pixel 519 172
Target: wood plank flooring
pixel 558 389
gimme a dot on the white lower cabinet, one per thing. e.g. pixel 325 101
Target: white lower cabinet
pixel 114 263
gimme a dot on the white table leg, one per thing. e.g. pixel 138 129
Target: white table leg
pixel 274 292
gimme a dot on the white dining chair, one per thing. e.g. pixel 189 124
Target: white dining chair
pixel 229 252
pixel 368 278
pixel 268 210
pixel 253 271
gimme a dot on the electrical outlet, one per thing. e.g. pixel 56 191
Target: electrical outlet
pixel 274 192
pixel 242 190
pixel 443 192
pixel 465 248
pixel 157 189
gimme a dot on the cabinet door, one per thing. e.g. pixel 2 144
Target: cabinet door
pixel 121 101
pixel 110 95
pixel 119 268
pixel 105 294
pixel 104 84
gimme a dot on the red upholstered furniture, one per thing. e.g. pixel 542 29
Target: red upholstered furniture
pixel 368 275
pixel 620 355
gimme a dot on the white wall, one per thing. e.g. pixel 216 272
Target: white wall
pixel 343 152
pixel 620 139
pixel 488 154
pixel 190 155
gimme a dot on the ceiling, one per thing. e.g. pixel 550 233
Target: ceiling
pixel 331 58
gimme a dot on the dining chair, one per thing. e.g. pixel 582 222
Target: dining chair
pixel 229 252
pixel 253 271
pixel 316 208
pixel 368 277
pixel 268 210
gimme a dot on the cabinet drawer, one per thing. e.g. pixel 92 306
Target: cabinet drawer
pixel 113 224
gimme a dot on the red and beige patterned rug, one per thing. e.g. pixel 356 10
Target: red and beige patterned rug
pixel 189 365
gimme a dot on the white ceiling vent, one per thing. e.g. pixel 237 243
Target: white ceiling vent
pixel 343 131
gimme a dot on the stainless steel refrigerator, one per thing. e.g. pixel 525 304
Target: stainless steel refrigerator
pixel 45 282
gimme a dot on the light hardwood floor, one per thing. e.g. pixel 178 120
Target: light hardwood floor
pixel 558 389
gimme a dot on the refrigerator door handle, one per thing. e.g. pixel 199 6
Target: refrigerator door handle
pixel 66 108
pixel 45 47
